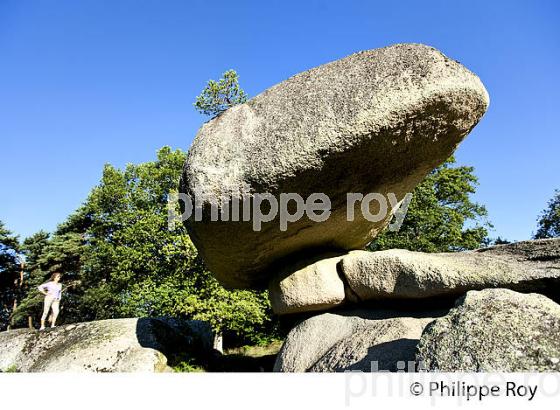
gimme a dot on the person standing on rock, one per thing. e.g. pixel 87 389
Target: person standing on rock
pixel 53 292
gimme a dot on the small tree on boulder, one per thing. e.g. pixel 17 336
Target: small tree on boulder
pixel 220 95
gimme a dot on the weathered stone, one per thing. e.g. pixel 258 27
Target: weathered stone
pixel 310 340
pixel 365 340
pixel 313 286
pixel 494 330
pixel 321 283
pixel 374 122
pixel 115 345
pixel 396 273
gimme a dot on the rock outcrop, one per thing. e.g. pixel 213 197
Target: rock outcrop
pixel 362 339
pixel 530 266
pixel 115 345
pixel 374 122
pixel 494 330
pixel 315 285
pixel 489 330
pixel 400 274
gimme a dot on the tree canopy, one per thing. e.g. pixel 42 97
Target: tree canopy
pixel 442 216
pixel 548 224
pixel 121 259
pixel 10 278
pixel 45 254
pixel 220 95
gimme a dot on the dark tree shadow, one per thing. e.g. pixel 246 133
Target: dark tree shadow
pixel 386 356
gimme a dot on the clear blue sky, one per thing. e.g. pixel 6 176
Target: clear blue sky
pixel 87 82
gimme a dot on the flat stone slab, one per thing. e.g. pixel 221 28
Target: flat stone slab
pixel 529 266
pixel 401 274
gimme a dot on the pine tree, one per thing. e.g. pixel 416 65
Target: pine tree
pixel 549 220
pixel 220 95
pixel 11 275
pixel 441 216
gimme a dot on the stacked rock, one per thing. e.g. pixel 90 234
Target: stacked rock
pixel 369 126
pixel 491 328
pixel 359 276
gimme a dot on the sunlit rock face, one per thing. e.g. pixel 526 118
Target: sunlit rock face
pixel 374 122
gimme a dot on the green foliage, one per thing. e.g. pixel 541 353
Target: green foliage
pixel 11 369
pixel 119 258
pixel 441 216
pixel 10 279
pixel 220 95
pixel 44 255
pixel 134 265
pixel 188 366
pixel 32 248
pixel 549 220
pixel 8 241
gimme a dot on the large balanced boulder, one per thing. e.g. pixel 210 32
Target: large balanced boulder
pixel 374 122
pixel 529 266
pixel 364 340
pixel 494 330
pixel 115 345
